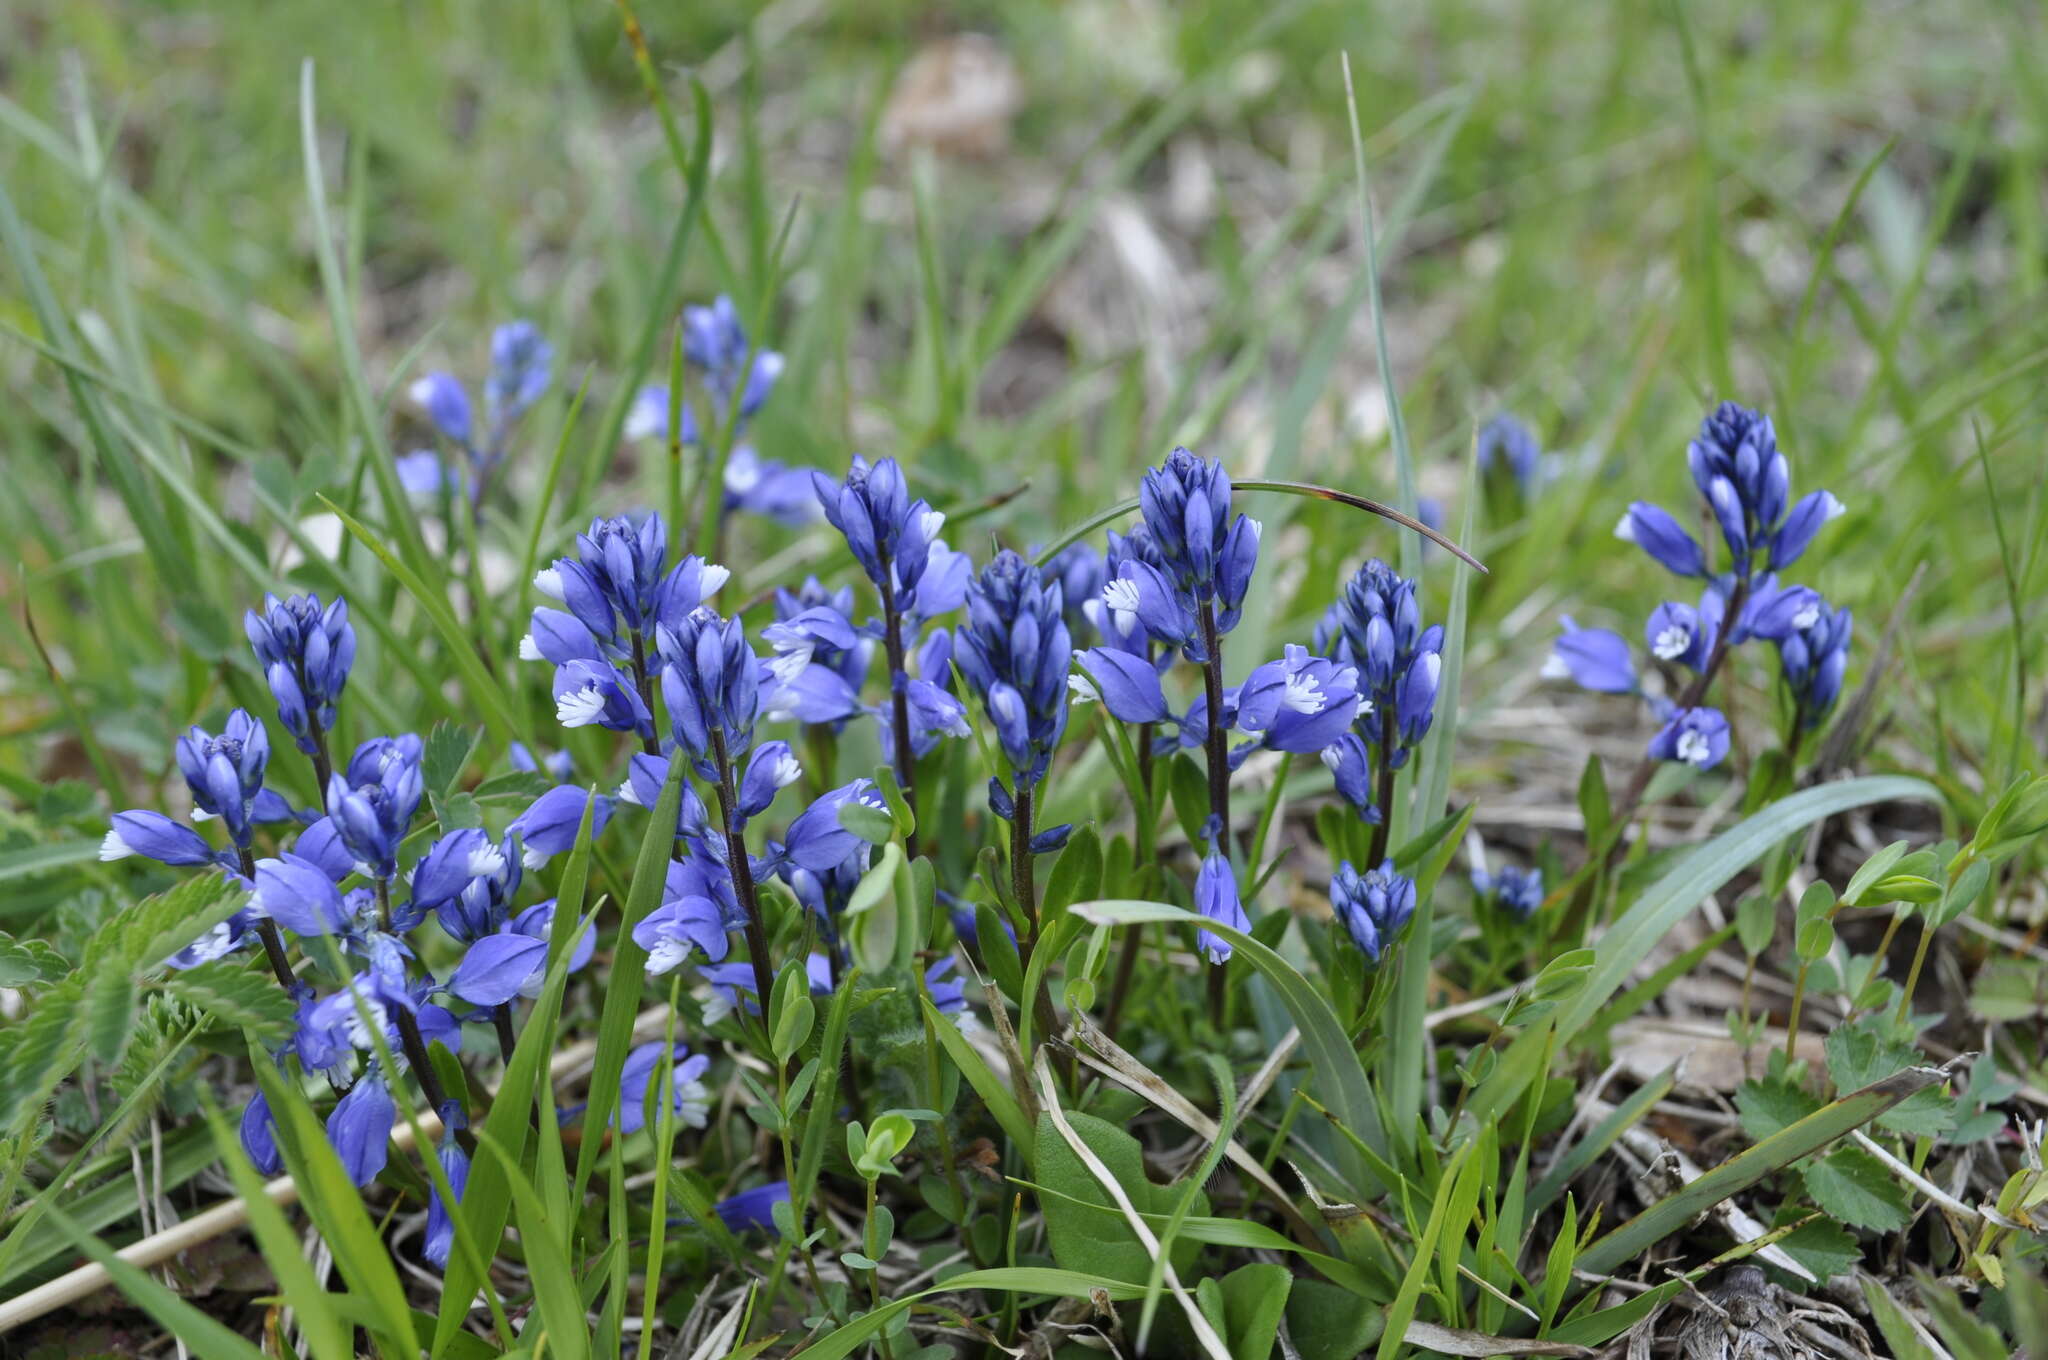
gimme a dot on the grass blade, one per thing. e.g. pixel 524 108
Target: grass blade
pixel 1746 1168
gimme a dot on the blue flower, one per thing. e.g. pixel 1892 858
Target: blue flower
pixel 1693 736
pixel 360 1128
pixel 1813 660
pixel 1125 682
pixel 321 844
pixel 1216 900
pixel 373 803
pixel 891 535
pixel 1651 528
pixel 711 682
pixel 679 927
pixel 641 1080
pixel 556 765
pixel 1300 703
pixel 1015 653
pixel 449 866
pixel 259 1136
pixel 1509 445
pixel 1514 890
pixel 1206 553
pixel 440 1235
pixel 1376 627
pixel 771 489
pixel 816 839
pixel 715 342
pixel 225 774
pixel 154 836
pixel 753 1208
pixel 1119 629
pixel 1772 611
pixel 1739 469
pixel 599 694
pixel 1349 761
pixel 299 895
pixel 1081 571
pixel 446 404
pixel 513 961
pixel 1373 906
pixel 1592 658
pixel 619 587
pixel 426 478
pixel 548 827
pixel 1802 522
pixel 948 996
pixel 520 361
pixel 306 651
pixel 1678 633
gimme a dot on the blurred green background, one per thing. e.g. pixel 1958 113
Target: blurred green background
pixel 1028 243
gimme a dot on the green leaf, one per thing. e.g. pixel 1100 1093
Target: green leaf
pixel 1771 1105
pixel 1856 1188
pixel 1825 1248
pixel 1646 924
pixel 547 1255
pixel 871 824
pixel 629 964
pixel 1874 868
pixel 994 1092
pixel 41 859
pixel 24 962
pixel 1249 1303
pixel 234 995
pixel 448 749
pixel 1076 875
pixel 1082 1240
pixel 2009 989
pixel 1328 1323
pixel 1748 1167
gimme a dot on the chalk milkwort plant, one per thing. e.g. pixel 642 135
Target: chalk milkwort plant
pixel 784 963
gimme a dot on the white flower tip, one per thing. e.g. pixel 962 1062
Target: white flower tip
pixel 788 769
pixel 579 707
pixel 1332 756
pixel 548 582
pixel 932 522
pixel 200 815
pixel 1693 749
pixel 112 847
pixel 1624 528
pixel 421 390
pixel 1831 507
pixel 529 650
pixel 1121 596
pixel 1083 688
pixel 717 1006
pixel 714 576
pixel 667 955
pixel 628 795
pixel 487 860
pixel 533 858
pixel 1806 617
pixel 1554 668
pixel 1671 643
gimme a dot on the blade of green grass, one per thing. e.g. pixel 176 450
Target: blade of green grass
pixel 1749 1166
pixel 1700 872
